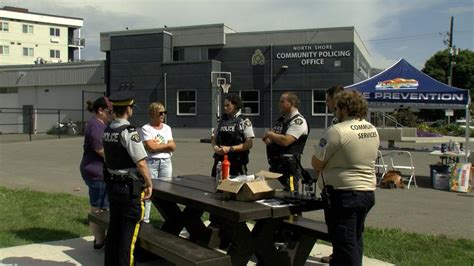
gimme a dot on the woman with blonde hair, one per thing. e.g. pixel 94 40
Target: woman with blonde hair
pixel 158 140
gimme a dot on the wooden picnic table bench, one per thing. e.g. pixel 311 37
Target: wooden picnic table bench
pixel 307 232
pixel 308 227
pixel 173 248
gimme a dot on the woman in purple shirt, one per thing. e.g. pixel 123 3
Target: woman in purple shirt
pixel 93 162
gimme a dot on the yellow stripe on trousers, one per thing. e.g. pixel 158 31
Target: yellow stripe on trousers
pixel 137 229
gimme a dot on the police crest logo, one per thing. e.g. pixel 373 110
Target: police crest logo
pixel 323 143
pixel 258 58
pixel 299 121
pixel 136 138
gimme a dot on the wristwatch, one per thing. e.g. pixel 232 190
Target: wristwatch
pixel 231 149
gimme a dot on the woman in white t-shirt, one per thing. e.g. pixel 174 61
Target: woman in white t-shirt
pixel 159 143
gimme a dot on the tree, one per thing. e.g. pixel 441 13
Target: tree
pixel 463 71
pixel 463 68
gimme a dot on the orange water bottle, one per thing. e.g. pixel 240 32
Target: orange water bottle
pixel 225 168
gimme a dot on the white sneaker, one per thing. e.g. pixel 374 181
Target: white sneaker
pixel 147 221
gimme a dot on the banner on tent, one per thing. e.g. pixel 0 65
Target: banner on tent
pixel 432 97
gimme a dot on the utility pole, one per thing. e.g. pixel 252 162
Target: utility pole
pixel 450 53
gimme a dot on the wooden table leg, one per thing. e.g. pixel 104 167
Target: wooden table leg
pixel 176 219
pixel 303 246
pixel 295 253
pixel 171 213
pixel 241 245
pixel 264 237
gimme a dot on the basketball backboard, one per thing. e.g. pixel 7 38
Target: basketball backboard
pixel 221 80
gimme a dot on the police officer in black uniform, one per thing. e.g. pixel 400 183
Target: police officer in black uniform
pixel 128 181
pixel 233 136
pixel 285 141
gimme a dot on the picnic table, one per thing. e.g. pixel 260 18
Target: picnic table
pixel 183 200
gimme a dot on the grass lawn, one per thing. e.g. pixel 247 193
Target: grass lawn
pixel 29 217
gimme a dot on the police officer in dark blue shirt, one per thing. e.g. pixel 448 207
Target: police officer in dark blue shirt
pixel 128 181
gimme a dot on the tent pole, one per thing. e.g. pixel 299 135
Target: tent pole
pixel 468 130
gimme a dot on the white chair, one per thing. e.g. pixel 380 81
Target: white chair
pixel 380 165
pixel 402 161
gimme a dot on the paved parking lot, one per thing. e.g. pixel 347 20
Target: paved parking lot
pixel 52 165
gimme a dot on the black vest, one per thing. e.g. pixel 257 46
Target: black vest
pixel 230 132
pixel 296 148
pixel 116 156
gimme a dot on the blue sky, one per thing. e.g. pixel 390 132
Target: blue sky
pixel 391 29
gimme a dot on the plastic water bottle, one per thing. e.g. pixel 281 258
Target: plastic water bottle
pixel 225 168
pixel 218 173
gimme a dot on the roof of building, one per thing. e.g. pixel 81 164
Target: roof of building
pixel 24 14
pixel 85 72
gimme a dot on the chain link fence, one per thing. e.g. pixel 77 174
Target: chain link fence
pixel 42 123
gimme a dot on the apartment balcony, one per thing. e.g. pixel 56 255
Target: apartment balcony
pixel 77 42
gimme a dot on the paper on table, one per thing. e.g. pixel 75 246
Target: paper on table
pixel 276 203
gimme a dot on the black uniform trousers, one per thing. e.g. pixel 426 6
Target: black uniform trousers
pixel 126 215
pixel 286 169
pixel 345 218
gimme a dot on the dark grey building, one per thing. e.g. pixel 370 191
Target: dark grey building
pixel 181 67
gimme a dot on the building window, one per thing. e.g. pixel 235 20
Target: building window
pixel 212 53
pixel 54 32
pixel 178 54
pixel 186 102
pixel 28 29
pixel 3 26
pixel 28 51
pixel 8 90
pixel 250 102
pixel 4 49
pixel 54 54
pixel 319 102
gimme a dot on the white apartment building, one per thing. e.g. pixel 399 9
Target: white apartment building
pixel 34 38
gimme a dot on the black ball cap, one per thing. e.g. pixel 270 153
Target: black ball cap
pixel 122 98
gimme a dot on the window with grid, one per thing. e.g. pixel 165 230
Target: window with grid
pixel 4 26
pixel 27 28
pixel 250 102
pixel 4 49
pixel 54 54
pixel 28 51
pixel 54 32
pixel 319 102
pixel 186 102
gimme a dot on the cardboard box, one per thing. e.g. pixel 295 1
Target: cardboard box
pixel 268 175
pixel 252 190
pixel 249 191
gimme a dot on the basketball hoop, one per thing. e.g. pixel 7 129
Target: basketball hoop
pixel 225 87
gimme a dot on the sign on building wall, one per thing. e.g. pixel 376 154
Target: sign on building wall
pixel 315 54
